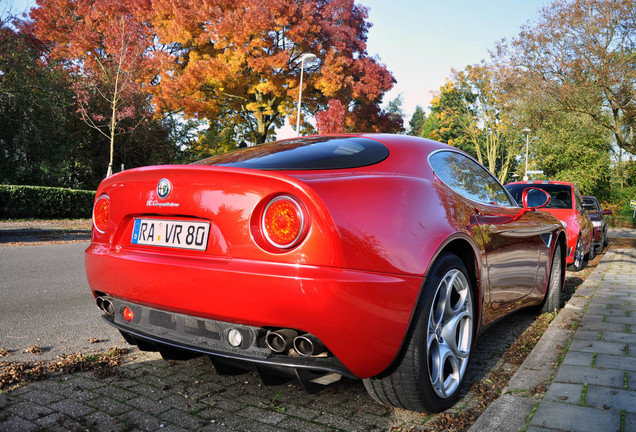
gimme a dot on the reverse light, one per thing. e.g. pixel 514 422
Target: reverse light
pixel 235 338
pixel 128 314
pixel 101 213
pixel 283 222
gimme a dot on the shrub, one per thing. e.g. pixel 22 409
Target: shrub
pixel 22 202
pixel 620 199
pixel 621 221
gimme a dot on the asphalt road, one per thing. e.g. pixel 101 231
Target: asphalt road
pixel 45 300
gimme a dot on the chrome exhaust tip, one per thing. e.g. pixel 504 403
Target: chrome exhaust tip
pixel 308 345
pixel 108 307
pixel 280 341
pixel 105 305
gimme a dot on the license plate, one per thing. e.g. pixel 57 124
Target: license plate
pixel 171 233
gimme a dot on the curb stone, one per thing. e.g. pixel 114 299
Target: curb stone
pixel 511 412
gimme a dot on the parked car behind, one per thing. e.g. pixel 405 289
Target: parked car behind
pixel 597 216
pixel 566 204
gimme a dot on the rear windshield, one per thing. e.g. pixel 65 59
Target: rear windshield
pixel 315 153
pixel 560 195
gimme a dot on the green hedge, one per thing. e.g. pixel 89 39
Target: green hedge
pixel 621 221
pixel 24 202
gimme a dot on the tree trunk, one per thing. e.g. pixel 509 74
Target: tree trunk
pixel 113 125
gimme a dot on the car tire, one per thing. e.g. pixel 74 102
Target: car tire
pixel 605 240
pixel 579 257
pixel 552 299
pixel 428 374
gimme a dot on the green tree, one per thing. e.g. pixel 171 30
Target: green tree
pixel 493 130
pixel 472 112
pixel 218 138
pixel 417 121
pixel 573 148
pixel 395 113
pixel 629 171
pixel 446 121
pixel 580 56
pixel 36 133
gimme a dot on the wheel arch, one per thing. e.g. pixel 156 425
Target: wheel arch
pixel 465 251
pixel 382 386
pixel 468 253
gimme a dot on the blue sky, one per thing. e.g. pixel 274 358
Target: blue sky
pixel 421 40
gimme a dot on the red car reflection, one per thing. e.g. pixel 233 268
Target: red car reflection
pixel 567 205
pixel 367 256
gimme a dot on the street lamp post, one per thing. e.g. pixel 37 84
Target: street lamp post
pixel 527 132
pixel 308 57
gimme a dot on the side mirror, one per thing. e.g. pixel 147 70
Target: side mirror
pixel 534 198
pixel 607 212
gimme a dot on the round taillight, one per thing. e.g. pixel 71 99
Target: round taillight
pixel 283 222
pixel 101 213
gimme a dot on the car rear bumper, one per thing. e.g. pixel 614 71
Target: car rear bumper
pixel 361 317
pixel 156 330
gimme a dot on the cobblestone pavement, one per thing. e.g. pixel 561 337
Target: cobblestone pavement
pixel 155 394
pixel 594 388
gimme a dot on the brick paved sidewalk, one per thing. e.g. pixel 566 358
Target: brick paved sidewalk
pixel 157 395
pixel 595 386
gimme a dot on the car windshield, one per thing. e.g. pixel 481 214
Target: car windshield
pixel 314 153
pixel 560 195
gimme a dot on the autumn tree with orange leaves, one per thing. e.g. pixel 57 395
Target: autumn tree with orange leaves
pixel 332 120
pixel 240 60
pixel 232 62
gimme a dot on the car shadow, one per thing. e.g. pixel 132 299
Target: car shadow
pixel 42 235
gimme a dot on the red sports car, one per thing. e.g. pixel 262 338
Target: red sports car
pixel 566 204
pixel 378 257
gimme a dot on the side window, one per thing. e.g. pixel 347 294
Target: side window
pixel 468 178
pixel 579 200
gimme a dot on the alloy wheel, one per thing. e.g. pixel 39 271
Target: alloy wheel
pixel 450 332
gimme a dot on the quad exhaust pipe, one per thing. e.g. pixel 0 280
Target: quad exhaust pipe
pixel 306 345
pixel 105 305
pixel 280 341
